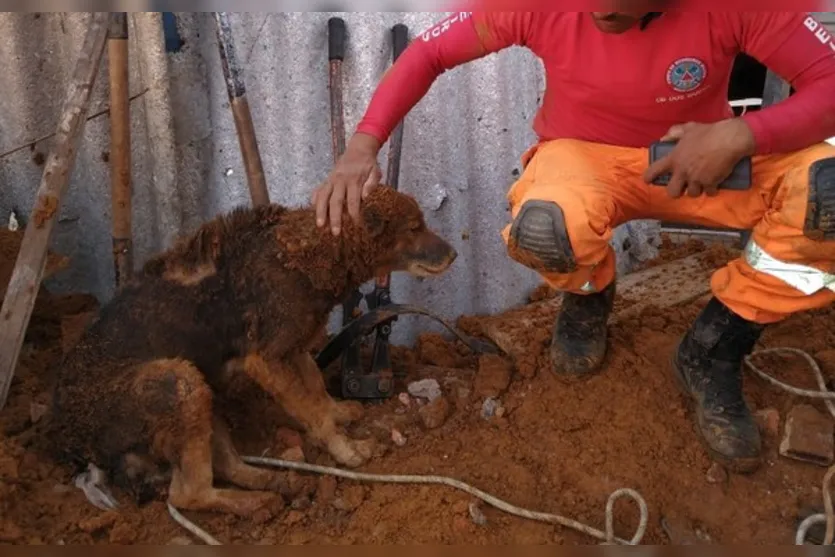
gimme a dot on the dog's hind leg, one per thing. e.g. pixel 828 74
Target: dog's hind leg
pixel 177 406
pixel 301 391
pixel 229 466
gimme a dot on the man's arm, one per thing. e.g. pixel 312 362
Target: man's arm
pixel 799 49
pixel 460 38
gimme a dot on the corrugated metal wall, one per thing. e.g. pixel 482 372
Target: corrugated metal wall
pixel 461 146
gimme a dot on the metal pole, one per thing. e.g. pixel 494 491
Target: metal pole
pixel 236 88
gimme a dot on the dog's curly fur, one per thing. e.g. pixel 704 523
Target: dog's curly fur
pixel 246 294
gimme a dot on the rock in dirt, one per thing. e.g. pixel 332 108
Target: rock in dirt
pixel 493 376
pixel 397 438
pixel 476 514
pixel 489 408
pixel 428 389
pixel 293 454
pixel 326 490
pixel 98 522
pixel 10 532
pixel 682 531
pixel 180 540
pixel 809 436
pixel 122 534
pixel 351 497
pixel 716 474
pixel 434 414
pixel 768 420
pixel 37 411
pixel 404 399
pixel 289 438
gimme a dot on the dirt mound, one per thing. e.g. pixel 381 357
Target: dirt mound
pixel 546 443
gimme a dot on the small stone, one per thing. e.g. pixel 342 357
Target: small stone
pixel 434 414
pixel 301 503
pixel 37 411
pixel 397 438
pixel 326 490
pixel 476 514
pixel 461 507
pixel 462 524
pixel 180 540
pixel 350 499
pixel 10 532
pixel 428 389
pixel 717 474
pixel 493 376
pixel 293 517
pixel 293 454
pixel 463 393
pixel 98 522
pixel 500 411
pixel 489 407
pixel 809 436
pixel 289 437
pixel 404 399
pixel 768 420
pixel 122 534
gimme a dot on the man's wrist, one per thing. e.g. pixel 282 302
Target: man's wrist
pixel 365 143
pixel 745 138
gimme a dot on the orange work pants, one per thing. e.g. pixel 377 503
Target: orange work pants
pixel 599 187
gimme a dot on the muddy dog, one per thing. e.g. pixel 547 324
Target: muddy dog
pixel 247 293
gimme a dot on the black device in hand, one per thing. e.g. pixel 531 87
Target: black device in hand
pixel 740 178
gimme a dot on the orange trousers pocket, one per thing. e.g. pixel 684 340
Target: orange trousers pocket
pixel 789 265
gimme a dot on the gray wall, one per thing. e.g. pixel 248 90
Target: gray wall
pixel 461 144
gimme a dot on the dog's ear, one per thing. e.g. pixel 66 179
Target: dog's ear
pixel 375 221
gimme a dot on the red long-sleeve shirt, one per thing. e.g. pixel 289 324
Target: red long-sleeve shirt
pixel 628 89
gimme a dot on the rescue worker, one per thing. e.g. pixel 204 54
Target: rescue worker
pixel 616 83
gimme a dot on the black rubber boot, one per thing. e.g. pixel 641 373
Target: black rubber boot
pixel 578 344
pixel 708 365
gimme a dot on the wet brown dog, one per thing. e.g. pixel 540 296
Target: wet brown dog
pixel 246 294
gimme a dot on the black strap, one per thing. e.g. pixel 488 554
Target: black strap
pixel 366 323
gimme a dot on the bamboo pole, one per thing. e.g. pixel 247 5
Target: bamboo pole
pixel 29 267
pixel 236 89
pixel 120 147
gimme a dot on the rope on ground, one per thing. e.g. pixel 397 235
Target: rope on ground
pixel 204 536
pixel 827 396
pixel 607 538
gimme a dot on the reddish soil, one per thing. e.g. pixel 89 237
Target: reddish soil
pixel 555 445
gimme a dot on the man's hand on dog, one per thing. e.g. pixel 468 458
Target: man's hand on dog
pixel 704 156
pixel 354 175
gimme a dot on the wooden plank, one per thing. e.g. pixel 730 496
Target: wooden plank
pixel 120 159
pixel 29 267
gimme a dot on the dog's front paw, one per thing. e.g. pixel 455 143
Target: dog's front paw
pixel 347 412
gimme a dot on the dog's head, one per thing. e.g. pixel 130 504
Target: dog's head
pixel 399 237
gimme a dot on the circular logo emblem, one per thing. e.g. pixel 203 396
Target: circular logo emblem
pixel 686 74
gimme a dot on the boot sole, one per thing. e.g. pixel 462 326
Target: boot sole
pixel 737 465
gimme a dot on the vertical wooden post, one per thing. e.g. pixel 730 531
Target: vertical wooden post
pixel 120 147
pixel 236 88
pixel 29 267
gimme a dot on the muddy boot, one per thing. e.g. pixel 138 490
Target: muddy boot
pixel 708 365
pixel 578 345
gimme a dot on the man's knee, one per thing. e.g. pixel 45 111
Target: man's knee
pixel 539 238
pixel 820 211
